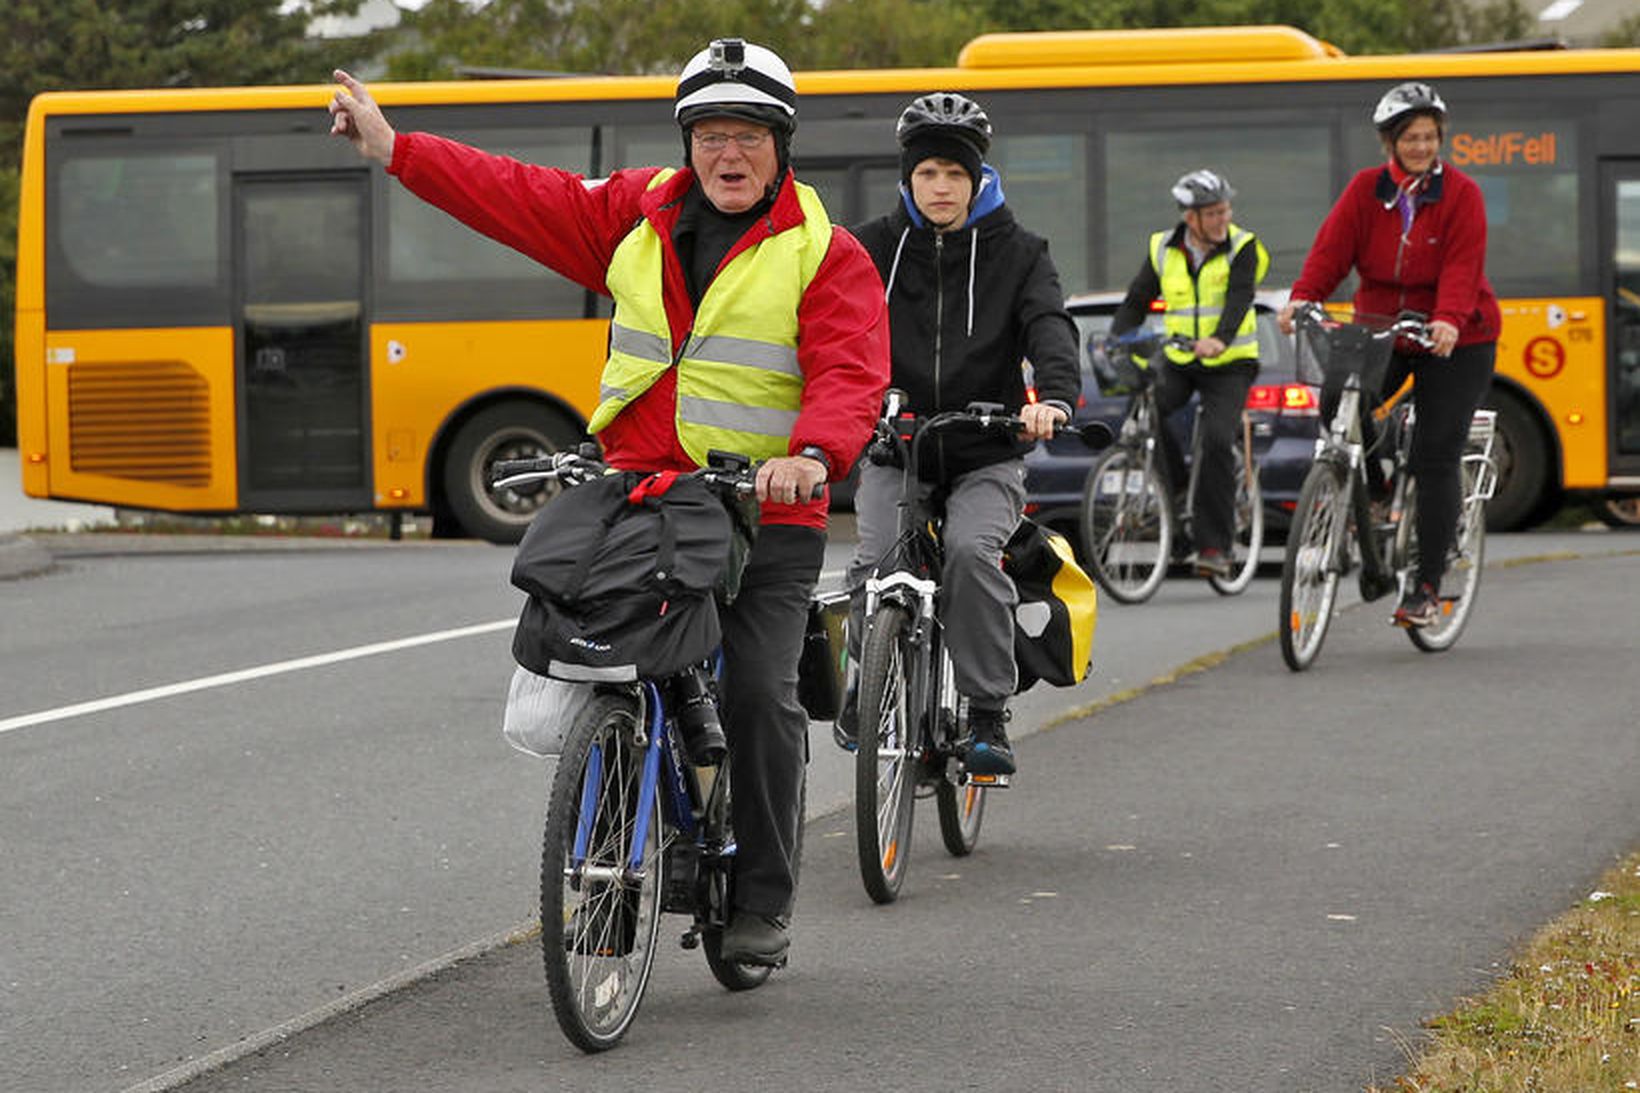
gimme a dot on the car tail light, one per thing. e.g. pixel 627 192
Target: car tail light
pixel 1295 399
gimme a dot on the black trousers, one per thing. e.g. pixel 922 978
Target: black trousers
pixel 766 726
pixel 1446 392
pixel 1223 389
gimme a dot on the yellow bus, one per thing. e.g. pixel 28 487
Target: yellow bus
pixel 220 310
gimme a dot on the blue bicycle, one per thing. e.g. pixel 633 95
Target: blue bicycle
pixel 635 827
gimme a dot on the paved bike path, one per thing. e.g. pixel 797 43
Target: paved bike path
pixel 1245 880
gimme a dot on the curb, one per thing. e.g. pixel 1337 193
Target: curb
pixel 22 557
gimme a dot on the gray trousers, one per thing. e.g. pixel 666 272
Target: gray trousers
pixel 977 599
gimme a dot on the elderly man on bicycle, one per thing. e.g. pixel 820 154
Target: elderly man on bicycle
pixel 970 294
pixel 1206 269
pixel 743 321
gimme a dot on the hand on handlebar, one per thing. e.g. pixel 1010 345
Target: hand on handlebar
pixel 1285 318
pixel 1039 421
pixel 789 479
pixel 1442 337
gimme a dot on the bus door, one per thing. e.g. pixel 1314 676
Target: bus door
pixel 301 260
pixel 1622 190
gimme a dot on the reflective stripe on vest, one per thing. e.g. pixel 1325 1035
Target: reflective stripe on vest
pixel 739 383
pixel 1194 304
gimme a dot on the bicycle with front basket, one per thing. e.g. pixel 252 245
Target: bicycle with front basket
pixel 1130 513
pixel 634 828
pixel 1336 527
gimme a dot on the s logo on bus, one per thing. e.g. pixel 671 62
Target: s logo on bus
pixel 1544 357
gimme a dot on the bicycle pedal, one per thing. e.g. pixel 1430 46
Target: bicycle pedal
pixel 989 781
pixel 690 939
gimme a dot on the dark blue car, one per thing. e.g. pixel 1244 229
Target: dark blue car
pixel 1285 421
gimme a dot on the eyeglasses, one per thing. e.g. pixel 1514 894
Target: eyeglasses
pixel 717 142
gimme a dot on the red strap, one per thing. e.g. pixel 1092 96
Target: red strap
pixel 653 486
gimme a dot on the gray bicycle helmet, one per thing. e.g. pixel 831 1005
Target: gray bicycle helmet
pixel 945 113
pixel 1198 189
pixel 1403 101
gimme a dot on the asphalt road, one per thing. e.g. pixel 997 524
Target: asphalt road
pixel 190 872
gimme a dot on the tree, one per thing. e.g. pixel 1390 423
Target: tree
pixel 51 45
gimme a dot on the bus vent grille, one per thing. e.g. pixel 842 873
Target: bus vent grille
pixel 148 421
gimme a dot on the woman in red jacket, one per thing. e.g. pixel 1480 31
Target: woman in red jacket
pixel 1415 232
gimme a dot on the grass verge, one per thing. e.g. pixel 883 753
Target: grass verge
pixel 1565 1018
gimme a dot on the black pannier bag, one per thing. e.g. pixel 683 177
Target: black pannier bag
pixel 620 573
pixel 1057 610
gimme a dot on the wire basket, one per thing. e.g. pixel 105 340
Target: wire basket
pixel 1329 351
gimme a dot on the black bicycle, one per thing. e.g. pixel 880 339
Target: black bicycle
pixel 1336 527
pixel 1131 515
pixel 634 827
pixel 912 721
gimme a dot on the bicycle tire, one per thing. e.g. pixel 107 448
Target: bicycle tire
pixel 731 974
pixel 961 807
pixel 1464 569
pixel 885 763
pixel 598 934
pixel 1248 538
pixel 1127 525
pixel 1311 566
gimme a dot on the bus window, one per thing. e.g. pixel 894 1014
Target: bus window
pixel 136 236
pixel 1281 172
pixel 1045 179
pixel 439 268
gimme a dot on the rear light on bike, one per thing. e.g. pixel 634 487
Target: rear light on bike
pixel 1297 399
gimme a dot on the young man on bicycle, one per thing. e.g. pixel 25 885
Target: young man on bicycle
pixel 1206 268
pixel 743 321
pixel 970 294
pixel 1414 230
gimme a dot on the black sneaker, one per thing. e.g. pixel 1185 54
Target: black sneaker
pixel 988 751
pixel 1421 606
pixel 751 938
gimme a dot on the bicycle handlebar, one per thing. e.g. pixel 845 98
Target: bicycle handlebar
pixel 1409 325
pixel 733 475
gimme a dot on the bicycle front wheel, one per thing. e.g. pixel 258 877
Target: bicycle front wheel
pixel 1127 525
pixel 1313 563
pixel 1248 540
pixel 885 764
pixel 600 877
pixel 1463 571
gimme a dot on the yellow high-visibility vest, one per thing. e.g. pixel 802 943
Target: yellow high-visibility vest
pixel 739 384
pixel 1194 304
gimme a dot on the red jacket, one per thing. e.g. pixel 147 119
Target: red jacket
pixel 573 226
pixel 1436 268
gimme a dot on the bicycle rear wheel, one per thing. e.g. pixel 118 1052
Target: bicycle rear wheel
pixel 1249 532
pixel 885 765
pixel 599 915
pixel 962 807
pixel 1313 562
pixel 1463 571
pixel 1127 525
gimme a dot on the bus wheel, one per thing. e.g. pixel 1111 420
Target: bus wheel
pixel 1521 451
pixel 507 430
pixel 1619 512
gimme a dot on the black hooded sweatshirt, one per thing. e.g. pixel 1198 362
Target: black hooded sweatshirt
pixel 960 336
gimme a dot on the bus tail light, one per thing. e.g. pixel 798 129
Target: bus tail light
pixel 1291 399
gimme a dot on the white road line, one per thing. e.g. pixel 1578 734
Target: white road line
pixel 132 698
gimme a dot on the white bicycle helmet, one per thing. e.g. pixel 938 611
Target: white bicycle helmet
pixel 1413 97
pixel 734 78
pixel 1199 189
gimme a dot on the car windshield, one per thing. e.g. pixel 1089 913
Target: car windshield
pixel 1275 348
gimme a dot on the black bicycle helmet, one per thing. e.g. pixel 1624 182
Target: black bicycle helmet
pixel 1403 101
pixel 1198 189
pixel 945 113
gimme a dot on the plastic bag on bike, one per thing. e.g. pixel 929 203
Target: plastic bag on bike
pixel 1057 611
pixel 539 710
